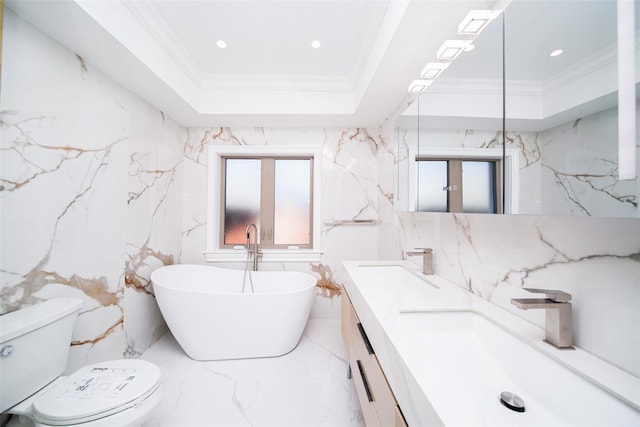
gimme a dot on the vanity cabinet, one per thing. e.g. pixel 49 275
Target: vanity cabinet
pixel 377 402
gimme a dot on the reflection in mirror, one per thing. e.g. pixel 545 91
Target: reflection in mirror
pixel 449 129
pixel 561 110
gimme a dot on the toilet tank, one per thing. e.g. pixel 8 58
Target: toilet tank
pixel 34 347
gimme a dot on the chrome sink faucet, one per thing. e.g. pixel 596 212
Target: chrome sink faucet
pixel 427 259
pixel 558 323
pixel 255 252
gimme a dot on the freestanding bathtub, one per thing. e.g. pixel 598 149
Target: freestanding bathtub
pixel 212 319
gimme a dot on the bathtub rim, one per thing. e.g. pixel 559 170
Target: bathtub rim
pixel 302 288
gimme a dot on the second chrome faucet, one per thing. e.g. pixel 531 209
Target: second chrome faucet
pixel 427 259
pixel 558 322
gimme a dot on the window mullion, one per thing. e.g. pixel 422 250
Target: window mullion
pixel 267 202
pixel 455 185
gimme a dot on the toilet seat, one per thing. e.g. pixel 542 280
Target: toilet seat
pixel 97 391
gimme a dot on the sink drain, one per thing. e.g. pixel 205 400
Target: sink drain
pixel 512 401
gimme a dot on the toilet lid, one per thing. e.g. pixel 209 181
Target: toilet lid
pixel 96 391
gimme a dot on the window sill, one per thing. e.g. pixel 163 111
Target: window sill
pixel 268 255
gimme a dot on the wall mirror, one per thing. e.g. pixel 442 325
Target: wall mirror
pixel 560 115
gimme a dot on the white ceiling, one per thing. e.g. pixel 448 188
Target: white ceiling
pixel 269 75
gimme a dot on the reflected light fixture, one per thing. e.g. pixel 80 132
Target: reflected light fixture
pixel 476 21
pixel 556 52
pixel 433 69
pixel 419 86
pixel 450 49
pixel 316 44
pixel 221 44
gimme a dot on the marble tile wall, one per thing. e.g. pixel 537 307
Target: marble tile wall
pixel 580 166
pixel 597 260
pixel 90 194
pixel 570 169
pixel 350 191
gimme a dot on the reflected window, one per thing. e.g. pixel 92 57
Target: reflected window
pixel 432 178
pixel 457 185
pixel 275 193
pixel 479 186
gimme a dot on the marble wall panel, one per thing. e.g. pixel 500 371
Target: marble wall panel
pixel 570 169
pixel 580 168
pixel 597 260
pixel 350 191
pixel 88 196
pixel 153 228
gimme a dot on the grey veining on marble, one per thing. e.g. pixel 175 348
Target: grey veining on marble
pixel 580 169
pixel 90 180
pixel 570 169
pixel 307 386
pixel 597 260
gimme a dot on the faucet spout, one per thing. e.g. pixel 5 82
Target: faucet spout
pixel 427 259
pixel 558 321
pixel 255 252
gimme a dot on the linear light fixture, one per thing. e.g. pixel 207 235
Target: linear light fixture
pixel 476 21
pixel 419 86
pixel 450 49
pixel 627 150
pixel 433 69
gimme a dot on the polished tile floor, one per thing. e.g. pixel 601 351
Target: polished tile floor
pixel 307 387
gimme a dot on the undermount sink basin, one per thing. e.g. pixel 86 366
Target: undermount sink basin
pixel 464 361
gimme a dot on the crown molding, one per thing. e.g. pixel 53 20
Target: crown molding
pixel 275 82
pixel 151 20
pixel 460 86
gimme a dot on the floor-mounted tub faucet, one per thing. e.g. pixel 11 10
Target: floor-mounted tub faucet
pixel 427 259
pixel 255 252
pixel 558 323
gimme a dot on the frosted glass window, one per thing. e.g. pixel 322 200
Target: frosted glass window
pixel 292 202
pixel 478 187
pixel 275 193
pixel 242 198
pixel 431 178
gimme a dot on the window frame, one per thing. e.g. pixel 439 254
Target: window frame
pixel 512 171
pixel 267 202
pixel 215 156
pixel 455 202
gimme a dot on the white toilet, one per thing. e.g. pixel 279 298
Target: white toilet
pixel 34 347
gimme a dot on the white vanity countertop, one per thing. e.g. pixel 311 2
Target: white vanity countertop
pixel 428 395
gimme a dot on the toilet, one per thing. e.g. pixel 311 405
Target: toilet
pixel 34 348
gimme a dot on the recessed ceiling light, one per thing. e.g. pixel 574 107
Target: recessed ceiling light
pixel 433 69
pixel 316 44
pixel 418 86
pixel 450 49
pixel 556 52
pixel 469 47
pixel 221 44
pixel 476 21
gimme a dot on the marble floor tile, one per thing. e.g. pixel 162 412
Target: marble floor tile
pixel 306 387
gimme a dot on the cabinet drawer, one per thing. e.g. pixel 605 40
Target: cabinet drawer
pixel 367 407
pixel 377 402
